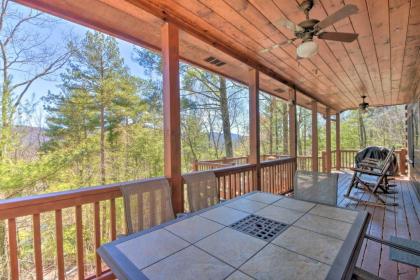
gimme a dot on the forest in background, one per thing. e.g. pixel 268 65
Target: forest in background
pixel 102 123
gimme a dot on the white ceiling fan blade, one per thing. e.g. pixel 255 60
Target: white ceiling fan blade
pixel 342 13
pixel 266 50
pixel 288 41
pixel 289 25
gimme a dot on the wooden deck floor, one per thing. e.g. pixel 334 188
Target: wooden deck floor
pixel 402 221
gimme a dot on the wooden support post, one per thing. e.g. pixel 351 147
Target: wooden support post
pixel 402 161
pixel 171 113
pixel 324 161
pixel 254 124
pixel 328 140
pixel 292 123
pixel 314 136
pixel 337 142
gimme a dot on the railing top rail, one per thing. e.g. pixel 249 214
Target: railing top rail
pixel 277 161
pixel 212 163
pixel 28 205
pixel 222 159
pixel 233 169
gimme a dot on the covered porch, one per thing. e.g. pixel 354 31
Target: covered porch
pixel 384 64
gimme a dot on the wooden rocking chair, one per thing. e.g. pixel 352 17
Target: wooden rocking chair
pixel 372 178
pixel 377 165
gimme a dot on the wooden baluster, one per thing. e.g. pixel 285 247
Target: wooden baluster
pixel 276 172
pixel 227 191
pixel 242 182
pixel 238 182
pixel 79 243
pixel 267 179
pixel 263 179
pixel 268 175
pixel 247 181
pixel 244 178
pixel 230 186
pixel 224 187
pixel 251 180
pixel 237 186
pixel 274 177
pixel 290 184
pixel 235 193
pixel 279 178
pixel 37 246
pixel 13 250
pixel 97 231
pixel 266 182
pixel 285 178
pixel 227 187
pixel 59 238
pixel 113 220
pixel 272 169
pixel 235 189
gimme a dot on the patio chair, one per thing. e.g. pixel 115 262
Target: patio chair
pixel 147 203
pixel 377 165
pixel 316 187
pixel 401 249
pixel 372 179
pixel 202 190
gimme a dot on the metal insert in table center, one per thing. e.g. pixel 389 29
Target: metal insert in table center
pixel 259 227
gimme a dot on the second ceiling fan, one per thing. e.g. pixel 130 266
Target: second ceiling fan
pixel 310 28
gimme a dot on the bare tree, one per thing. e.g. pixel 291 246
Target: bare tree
pixel 212 92
pixel 26 56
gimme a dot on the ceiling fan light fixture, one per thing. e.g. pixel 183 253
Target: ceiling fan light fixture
pixel 307 49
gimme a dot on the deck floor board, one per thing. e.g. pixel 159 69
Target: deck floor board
pixel 402 221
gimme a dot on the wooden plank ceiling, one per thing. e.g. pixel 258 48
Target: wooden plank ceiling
pixel 383 63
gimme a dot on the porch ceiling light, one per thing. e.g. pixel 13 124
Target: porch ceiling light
pixel 307 49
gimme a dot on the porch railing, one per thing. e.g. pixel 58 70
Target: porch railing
pixel 79 215
pixel 304 162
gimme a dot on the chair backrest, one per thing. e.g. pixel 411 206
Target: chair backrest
pixel 202 190
pixel 316 187
pixel 147 203
pixel 387 161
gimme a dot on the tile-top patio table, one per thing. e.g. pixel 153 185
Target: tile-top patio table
pixel 255 236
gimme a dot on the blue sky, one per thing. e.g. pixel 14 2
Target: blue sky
pixel 57 36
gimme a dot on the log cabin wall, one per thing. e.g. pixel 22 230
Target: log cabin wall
pixel 413 143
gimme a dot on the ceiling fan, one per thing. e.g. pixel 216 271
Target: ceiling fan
pixel 310 28
pixel 364 105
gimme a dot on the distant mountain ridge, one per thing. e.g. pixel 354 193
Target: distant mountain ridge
pixel 29 140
